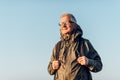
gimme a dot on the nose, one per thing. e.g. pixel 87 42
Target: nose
pixel 64 25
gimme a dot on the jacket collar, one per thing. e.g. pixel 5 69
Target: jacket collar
pixel 75 35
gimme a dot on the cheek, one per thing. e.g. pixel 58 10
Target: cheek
pixel 71 28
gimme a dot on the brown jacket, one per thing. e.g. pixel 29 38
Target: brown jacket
pixel 67 51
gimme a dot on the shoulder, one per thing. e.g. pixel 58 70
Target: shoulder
pixel 85 40
pixel 57 45
pixel 86 43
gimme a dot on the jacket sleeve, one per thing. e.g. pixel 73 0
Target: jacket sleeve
pixel 53 57
pixel 94 60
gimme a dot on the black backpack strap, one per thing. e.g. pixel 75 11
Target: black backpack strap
pixel 58 46
pixel 81 45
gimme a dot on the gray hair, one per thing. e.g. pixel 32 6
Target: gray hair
pixel 70 15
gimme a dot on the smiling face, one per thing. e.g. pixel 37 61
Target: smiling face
pixel 66 25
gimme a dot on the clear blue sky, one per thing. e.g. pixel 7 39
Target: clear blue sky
pixel 29 29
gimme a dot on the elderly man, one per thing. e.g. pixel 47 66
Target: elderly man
pixel 73 56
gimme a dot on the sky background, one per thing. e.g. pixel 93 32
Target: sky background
pixel 29 30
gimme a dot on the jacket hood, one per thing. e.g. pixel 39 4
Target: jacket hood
pixel 76 33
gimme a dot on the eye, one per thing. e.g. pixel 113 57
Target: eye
pixel 62 23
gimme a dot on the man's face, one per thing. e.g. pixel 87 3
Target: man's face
pixel 66 25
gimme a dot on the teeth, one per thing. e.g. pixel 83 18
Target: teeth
pixel 64 28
